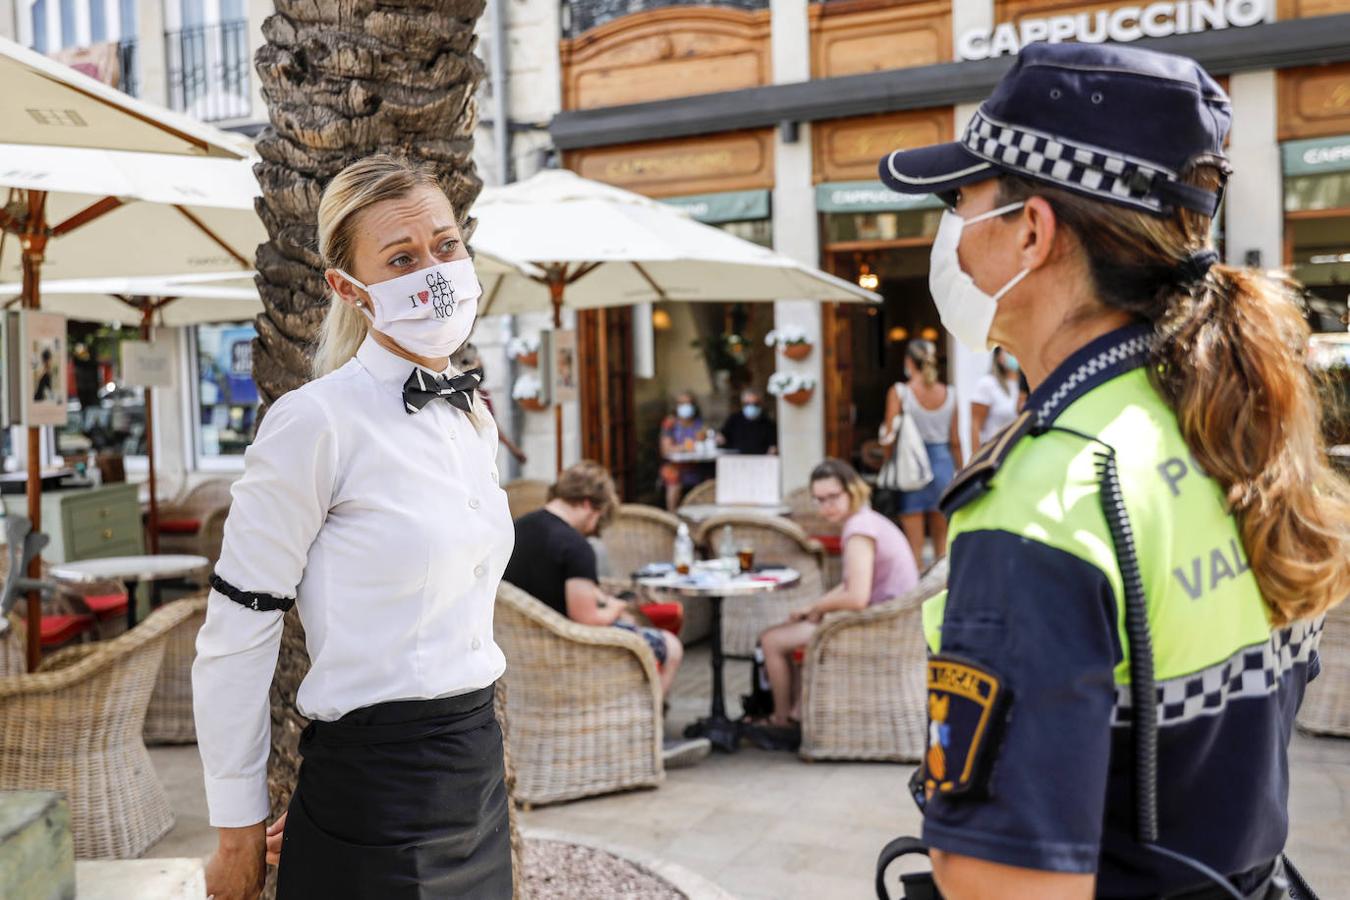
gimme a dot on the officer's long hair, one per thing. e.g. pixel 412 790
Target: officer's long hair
pixel 357 187
pixel 1230 356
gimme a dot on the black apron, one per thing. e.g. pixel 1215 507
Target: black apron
pixel 400 801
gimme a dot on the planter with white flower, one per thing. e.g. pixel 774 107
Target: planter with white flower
pixel 794 388
pixel 528 393
pixel 524 350
pixel 792 340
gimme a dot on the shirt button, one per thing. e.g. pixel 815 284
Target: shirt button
pixel 452 435
pixel 479 571
pixel 495 478
pixel 477 644
pixel 473 504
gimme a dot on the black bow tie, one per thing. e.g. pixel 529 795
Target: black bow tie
pixel 422 387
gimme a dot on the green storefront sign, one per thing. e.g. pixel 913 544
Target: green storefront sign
pixel 1317 156
pixel 728 206
pixel 868 197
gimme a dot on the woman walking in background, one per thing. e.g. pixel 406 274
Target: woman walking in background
pixel 995 401
pixel 933 406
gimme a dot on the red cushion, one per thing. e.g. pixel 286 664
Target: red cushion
pixel 666 616
pixel 179 526
pixel 57 630
pixel 106 606
pixel 833 543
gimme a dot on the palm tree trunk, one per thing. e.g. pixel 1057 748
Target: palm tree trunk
pixel 344 79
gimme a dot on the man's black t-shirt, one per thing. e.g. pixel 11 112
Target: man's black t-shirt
pixel 753 437
pixel 548 552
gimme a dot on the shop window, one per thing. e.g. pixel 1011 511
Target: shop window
pixel 917 224
pixel 758 231
pixel 103 415
pixel 226 399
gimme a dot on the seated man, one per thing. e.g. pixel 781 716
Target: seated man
pixel 749 430
pixel 555 563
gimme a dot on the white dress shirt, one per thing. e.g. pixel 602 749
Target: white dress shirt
pixel 391 531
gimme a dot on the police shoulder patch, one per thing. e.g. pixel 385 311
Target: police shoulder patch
pixel 966 706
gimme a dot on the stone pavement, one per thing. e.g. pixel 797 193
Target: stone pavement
pixel 766 825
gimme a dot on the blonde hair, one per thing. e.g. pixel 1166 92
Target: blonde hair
pixel 859 491
pixel 924 355
pixel 356 188
pixel 1230 356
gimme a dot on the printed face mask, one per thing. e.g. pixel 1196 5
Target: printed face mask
pixel 965 310
pixel 429 312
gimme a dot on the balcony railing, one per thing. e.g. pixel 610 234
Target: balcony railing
pixel 127 80
pixel 208 71
pixel 583 15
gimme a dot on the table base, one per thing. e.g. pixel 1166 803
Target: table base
pixel 721 732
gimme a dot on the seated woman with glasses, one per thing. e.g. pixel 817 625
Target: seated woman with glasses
pixel 878 565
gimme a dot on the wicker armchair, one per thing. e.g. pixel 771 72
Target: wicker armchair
pixel 168 720
pixel 1326 705
pixel 702 493
pixel 75 727
pixel 776 541
pixel 525 495
pixel 863 680
pixel 643 534
pixel 583 704
pixel 195 523
pixel 13 649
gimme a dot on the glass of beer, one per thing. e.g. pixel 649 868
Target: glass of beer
pixel 746 555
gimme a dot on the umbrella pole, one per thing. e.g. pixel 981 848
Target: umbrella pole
pixel 555 293
pixel 34 246
pixel 147 313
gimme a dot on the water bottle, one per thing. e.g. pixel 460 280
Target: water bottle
pixel 684 550
pixel 726 547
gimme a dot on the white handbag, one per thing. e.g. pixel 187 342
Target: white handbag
pixel 908 469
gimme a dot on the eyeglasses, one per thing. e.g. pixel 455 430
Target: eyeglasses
pixel 828 498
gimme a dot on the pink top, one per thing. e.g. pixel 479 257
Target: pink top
pixel 893 572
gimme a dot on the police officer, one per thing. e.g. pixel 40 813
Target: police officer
pixel 1165 491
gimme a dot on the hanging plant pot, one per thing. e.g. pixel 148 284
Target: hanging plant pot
pixel 531 404
pixel 800 397
pixel 529 359
pixel 797 351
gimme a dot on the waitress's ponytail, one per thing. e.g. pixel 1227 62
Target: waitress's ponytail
pixel 1230 357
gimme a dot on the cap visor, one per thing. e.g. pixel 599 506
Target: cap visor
pixel 938 169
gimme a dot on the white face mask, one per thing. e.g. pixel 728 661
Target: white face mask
pixel 429 312
pixel 965 310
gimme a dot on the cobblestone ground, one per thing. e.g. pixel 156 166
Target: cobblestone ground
pixel 766 825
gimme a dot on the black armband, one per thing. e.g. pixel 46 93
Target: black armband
pixel 256 602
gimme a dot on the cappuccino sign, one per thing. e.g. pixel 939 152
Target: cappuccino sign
pixel 1122 25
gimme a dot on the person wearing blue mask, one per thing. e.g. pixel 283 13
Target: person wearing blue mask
pixel 749 430
pixel 681 433
pixel 996 399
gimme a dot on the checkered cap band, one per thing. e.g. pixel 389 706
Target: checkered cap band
pixel 1252 672
pixel 1078 167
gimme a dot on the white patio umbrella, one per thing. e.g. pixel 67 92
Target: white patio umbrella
pixel 173 302
pixel 54 109
pixel 46 103
pixel 601 246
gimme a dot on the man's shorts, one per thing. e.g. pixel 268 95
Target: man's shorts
pixel 653 636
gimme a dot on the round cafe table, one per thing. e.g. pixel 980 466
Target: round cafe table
pixel 718 585
pixel 131 571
